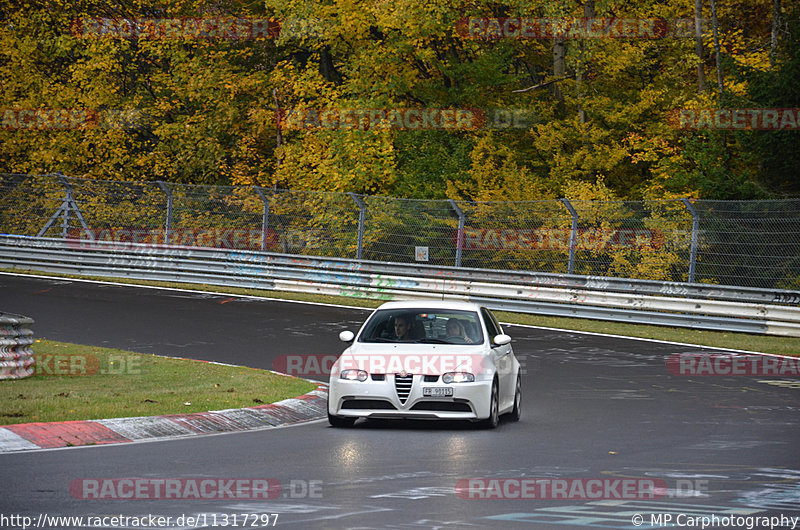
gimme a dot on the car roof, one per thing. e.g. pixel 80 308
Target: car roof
pixel 431 304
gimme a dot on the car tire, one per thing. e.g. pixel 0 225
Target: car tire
pixel 494 410
pixel 340 422
pixel 516 412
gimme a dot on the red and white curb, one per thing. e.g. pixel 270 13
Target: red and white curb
pixel 32 436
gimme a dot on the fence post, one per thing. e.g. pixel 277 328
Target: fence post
pixel 460 233
pixel 168 228
pixel 264 217
pixel 573 236
pixel 362 215
pixel 67 205
pixel 68 202
pixel 695 230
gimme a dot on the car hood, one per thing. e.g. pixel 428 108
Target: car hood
pixel 429 359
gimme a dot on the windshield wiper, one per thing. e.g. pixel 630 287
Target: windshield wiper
pixel 432 341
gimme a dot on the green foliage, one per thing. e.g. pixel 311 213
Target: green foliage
pixel 206 111
pixel 777 152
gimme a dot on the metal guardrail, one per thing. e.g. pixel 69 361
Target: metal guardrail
pixel 16 356
pixel 745 243
pixel 700 306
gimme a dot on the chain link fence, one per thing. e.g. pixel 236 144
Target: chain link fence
pixel 744 243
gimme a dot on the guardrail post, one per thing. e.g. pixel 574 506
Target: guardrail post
pixel 264 217
pixel 573 236
pixel 362 216
pixel 460 233
pixel 695 230
pixel 67 205
pixel 168 222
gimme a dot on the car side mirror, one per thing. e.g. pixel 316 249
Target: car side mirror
pixel 501 340
pixel 346 336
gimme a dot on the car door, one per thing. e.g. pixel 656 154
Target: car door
pixel 503 360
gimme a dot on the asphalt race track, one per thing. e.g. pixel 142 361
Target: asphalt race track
pixel 596 410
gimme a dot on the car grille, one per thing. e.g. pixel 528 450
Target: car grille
pixel 367 404
pixel 442 406
pixel 402 384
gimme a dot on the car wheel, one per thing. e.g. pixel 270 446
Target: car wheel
pixel 516 412
pixel 494 407
pixel 338 421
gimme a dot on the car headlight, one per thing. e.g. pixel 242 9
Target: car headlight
pixel 354 375
pixel 458 377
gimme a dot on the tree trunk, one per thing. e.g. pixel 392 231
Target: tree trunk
pixel 776 23
pixel 698 44
pixel 588 12
pixel 559 64
pixel 278 134
pixel 717 58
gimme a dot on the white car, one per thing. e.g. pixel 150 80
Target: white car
pixel 426 360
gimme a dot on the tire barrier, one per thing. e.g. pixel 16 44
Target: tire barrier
pixel 16 338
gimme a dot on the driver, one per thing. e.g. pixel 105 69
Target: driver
pixel 402 327
pixel 455 330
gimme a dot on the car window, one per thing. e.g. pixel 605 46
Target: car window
pixel 422 325
pixel 492 326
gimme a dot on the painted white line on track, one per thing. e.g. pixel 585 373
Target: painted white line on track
pixel 660 341
pixel 179 290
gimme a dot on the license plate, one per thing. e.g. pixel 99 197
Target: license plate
pixel 437 391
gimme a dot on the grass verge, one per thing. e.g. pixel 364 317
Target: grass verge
pixel 74 382
pixel 719 339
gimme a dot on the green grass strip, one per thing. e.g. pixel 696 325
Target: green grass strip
pixel 74 382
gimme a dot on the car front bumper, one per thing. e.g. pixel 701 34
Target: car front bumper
pixel 379 399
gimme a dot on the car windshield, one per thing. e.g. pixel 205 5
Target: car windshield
pixel 424 326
